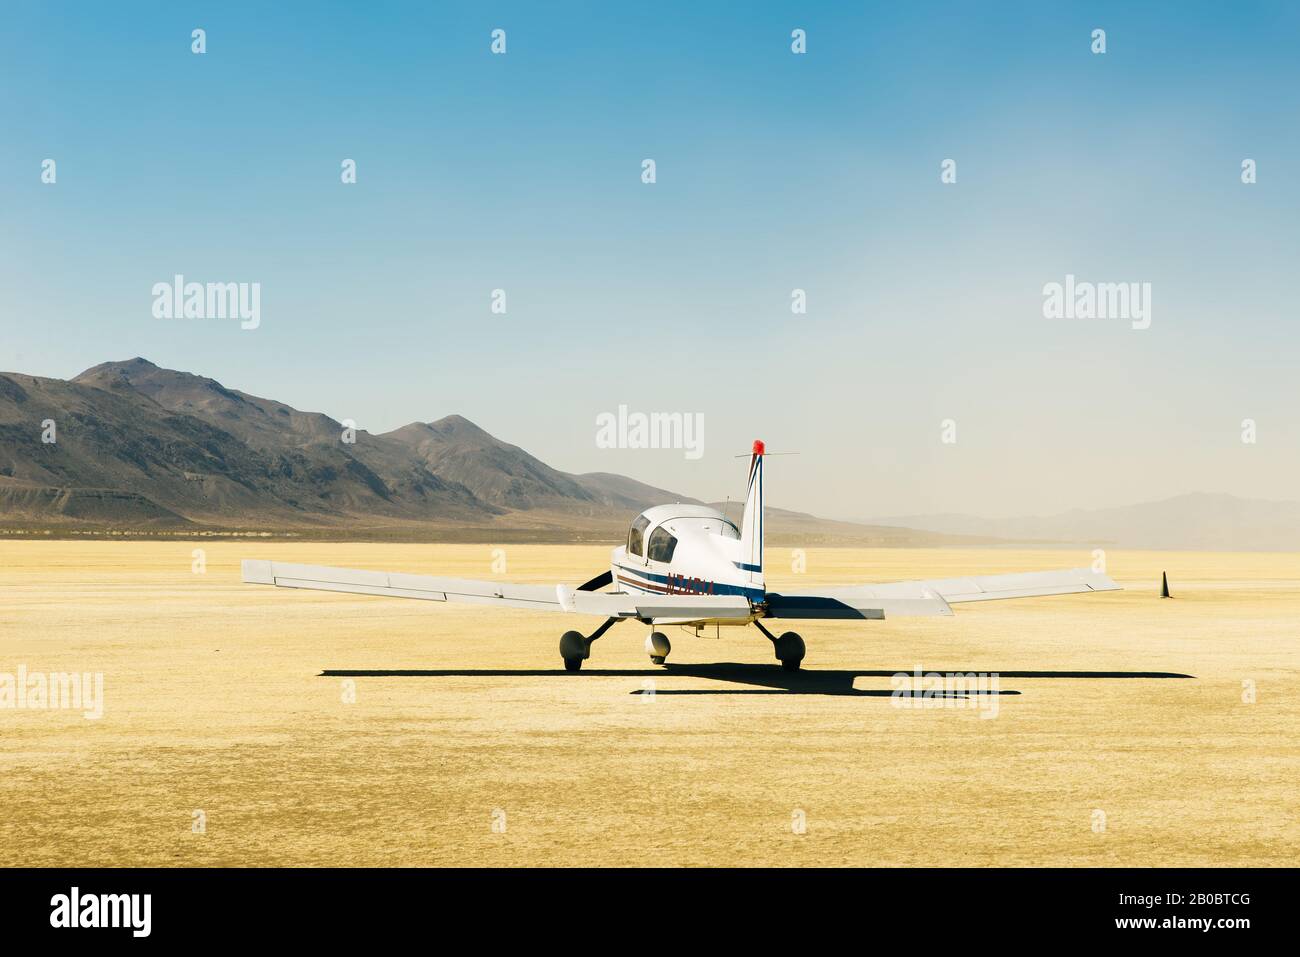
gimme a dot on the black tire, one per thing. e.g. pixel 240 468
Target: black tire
pixel 574 647
pixel 790 650
pixel 656 660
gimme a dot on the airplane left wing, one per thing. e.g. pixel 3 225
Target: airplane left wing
pixel 564 598
pixel 932 596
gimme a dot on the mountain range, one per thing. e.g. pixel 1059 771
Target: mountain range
pixel 139 448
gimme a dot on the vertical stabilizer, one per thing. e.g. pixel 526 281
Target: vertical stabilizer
pixel 751 524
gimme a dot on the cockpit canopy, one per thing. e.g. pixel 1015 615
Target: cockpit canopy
pixel 654 532
pixel 636 536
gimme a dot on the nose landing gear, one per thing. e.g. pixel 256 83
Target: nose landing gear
pixel 658 647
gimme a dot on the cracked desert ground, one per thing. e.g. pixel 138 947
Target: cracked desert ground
pixel 215 702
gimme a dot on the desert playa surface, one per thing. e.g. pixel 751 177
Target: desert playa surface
pixel 467 743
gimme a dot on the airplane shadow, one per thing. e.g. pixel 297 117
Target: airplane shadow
pixel 764 679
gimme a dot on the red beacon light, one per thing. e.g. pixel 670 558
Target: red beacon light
pixel 759 448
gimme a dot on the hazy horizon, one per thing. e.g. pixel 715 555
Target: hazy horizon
pixel 725 495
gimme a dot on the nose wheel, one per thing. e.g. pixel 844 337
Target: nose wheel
pixel 658 647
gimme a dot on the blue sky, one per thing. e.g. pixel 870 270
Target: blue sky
pixel 775 172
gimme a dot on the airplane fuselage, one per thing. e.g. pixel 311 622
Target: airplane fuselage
pixel 683 550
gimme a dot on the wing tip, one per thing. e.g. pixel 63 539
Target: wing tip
pixel 257 571
pixel 1099 581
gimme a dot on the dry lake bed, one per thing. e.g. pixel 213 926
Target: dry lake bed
pixel 245 725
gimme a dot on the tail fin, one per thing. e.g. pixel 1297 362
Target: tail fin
pixel 751 525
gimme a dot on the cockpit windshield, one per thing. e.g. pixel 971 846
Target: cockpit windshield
pixel 662 545
pixel 636 536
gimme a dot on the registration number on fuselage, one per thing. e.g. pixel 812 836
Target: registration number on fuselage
pixel 683 585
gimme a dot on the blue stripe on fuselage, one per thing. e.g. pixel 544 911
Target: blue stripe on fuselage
pixel 719 588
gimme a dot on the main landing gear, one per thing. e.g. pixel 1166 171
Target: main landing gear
pixel 575 647
pixel 789 647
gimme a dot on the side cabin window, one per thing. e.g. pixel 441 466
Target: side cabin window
pixel 662 544
pixel 636 537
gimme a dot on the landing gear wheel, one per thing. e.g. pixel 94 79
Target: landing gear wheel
pixel 789 650
pixel 658 647
pixel 574 649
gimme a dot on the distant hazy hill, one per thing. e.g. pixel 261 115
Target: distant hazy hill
pixel 142 447
pixel 1194 521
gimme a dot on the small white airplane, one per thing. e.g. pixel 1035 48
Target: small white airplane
pixel 689 565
